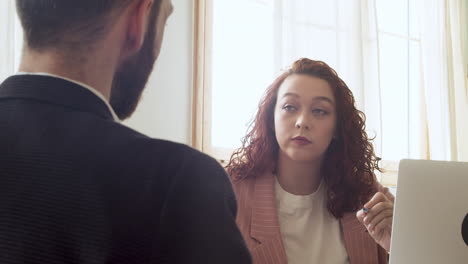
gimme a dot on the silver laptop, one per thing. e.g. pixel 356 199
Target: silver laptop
pixel 430 223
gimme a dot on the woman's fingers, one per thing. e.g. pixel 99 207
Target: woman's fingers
pixel 377 198
pixel 383 226
pixel 376 210
pixel 377 219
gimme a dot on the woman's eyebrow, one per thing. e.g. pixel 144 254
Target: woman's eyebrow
pixel 324 98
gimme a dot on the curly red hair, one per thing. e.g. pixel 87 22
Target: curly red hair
pixel 350 161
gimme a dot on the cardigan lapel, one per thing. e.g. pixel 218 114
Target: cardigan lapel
pixel 360 246
pixel 265 228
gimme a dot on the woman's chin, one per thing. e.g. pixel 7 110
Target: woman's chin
pixel 303 157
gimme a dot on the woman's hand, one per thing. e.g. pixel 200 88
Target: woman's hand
pixel 379 217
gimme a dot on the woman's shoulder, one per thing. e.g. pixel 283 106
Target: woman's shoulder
pixel 244 187
pixel 240 182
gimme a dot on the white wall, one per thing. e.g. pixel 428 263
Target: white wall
pixel 165 109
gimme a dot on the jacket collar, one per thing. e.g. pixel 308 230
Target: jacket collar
pixel 54 90
pixel 264 226
pixel 264 222
pixel 359 244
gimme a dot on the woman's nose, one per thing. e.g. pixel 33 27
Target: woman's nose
pixel 302 122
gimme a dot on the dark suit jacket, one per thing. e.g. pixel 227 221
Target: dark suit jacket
pixel 77 187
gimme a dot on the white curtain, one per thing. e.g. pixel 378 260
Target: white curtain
pixel 429 108
pixel 342 33
pixel 323 30
pixel 457 77
pixel 443 36
pixel 10 39
pixel 435 79
pixel 371 90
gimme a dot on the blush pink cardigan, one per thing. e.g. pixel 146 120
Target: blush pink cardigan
pixel 258 221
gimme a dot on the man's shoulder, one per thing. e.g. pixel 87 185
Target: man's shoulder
pixel 123 139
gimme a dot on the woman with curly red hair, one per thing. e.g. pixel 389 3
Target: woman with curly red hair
pixel 304 176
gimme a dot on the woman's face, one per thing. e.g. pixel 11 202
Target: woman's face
pixel 305 117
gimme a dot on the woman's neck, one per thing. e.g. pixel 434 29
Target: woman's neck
pixel 299 178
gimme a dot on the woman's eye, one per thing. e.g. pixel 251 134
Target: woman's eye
pixel 319 112
pixel 289 108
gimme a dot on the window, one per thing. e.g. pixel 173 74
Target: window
pixel 401 114
pixel 242 64
pixel 381 49
pixel 375 46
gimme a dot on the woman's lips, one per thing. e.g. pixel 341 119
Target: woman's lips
pixel 301 140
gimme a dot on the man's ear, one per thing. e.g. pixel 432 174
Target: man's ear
pixel 137 25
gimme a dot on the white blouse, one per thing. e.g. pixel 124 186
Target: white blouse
pixel 310 233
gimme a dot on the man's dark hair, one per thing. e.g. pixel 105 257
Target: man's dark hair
pixel 66 23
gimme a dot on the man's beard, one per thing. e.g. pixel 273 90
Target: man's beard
pixel 132 76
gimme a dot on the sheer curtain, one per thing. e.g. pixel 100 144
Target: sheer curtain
pixel 10 39
pixel 444 61
pixel 331 31
pixel 404 60
pixel 344 34
pixel 456 37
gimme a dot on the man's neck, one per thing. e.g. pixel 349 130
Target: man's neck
pixel 94 74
